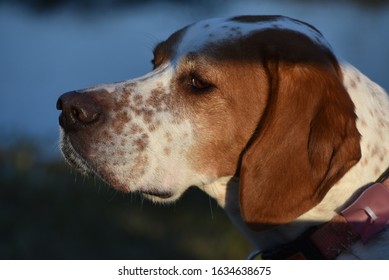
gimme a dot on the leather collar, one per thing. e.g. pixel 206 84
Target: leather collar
pixel 363 219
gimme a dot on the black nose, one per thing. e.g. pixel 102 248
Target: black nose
pixel 79 110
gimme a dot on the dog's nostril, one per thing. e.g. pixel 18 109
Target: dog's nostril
pixel 85 115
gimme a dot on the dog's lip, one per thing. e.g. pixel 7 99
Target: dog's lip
pixel 159 194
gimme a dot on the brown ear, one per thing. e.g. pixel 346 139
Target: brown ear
pixel 305 142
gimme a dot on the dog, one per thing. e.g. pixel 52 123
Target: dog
pixel 258 112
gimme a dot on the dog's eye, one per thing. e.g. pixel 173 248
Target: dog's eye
pixel 199 84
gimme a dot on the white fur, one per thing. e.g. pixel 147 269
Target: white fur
pixel 218 30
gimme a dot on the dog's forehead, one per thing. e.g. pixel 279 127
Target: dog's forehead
pixel 222 30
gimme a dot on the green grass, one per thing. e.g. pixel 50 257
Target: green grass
pixel 49 212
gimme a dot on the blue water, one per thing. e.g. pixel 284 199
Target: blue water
pixel 45 54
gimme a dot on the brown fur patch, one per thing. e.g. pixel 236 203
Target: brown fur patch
pixel 165 50
pixel 141 142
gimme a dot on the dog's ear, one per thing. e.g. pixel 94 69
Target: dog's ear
pixel 305 142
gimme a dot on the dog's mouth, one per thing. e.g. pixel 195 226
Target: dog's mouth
pixel 73 158
pixel 157 194
pixel 81 165
pixel 149 190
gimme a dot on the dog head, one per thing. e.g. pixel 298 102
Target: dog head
pixel 259 98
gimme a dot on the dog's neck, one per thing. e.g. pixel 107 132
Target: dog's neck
pixel 368 98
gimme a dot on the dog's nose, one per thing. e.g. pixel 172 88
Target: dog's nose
pixel 79 110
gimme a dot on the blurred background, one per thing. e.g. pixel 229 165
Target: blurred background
pixel 48 47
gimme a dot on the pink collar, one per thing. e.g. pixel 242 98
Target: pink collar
pixel 367 216
pixel 363 219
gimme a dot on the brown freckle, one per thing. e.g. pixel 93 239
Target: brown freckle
pixel 353 84
pixel 364 162
pixel 118 127
pixel 363 123
pixel 106 136
pixel 140 144
pixel 137 112
pixel 168 137
pixel 114 181
pixel 138 100
pixel 138 168
pixel 377 171
pixel 154 125
pixel 135 129
pixel 166 151
pixel 358 78
pixel 144 136
pixel 157 99
pixel 127 90
pixel 123 142
pixel 121 103
pixel 120 119
pixel 374 151
pixel 123 116
pixel 186 135
pixel 148 116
